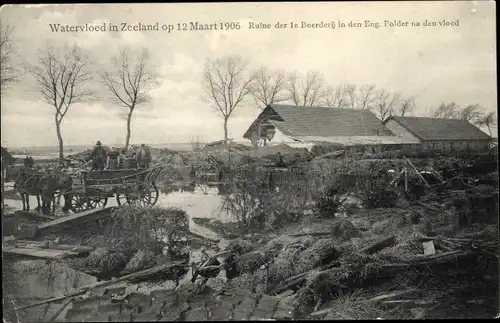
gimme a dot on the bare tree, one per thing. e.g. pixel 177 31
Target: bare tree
pixel 62 75
pixel 305 90
pixel 226 83
pixel 360 98
pixel 366 96
pixel 489 119
pixel 8 73
pixel 351 92
pixel 337 97
pixel 471 113
pixel 385 103
pixel 406 105
pixel 446 111
pixel 129 81
pixel 268 87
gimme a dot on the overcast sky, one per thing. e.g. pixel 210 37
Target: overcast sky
pixel 434 64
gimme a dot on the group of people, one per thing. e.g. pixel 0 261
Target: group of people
pixel 29 162
pixel 114 159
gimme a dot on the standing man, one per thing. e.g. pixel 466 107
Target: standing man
pixel 143 157
pixel 122 158
pixel 113 158
pixel 99 157
pixel 26 162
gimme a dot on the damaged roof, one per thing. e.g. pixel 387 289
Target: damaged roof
pixel 320 121
pixel 6 156
pixel 118 305
pixel 440 129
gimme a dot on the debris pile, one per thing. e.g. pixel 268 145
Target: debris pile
pixel 139 238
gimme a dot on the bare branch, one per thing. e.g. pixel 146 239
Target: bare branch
pixel 267 87
pixel 226 84
pixel 62 76
pixel 384 104
pixel 129 81
pixel 446 111
pixel 337 97
pixel 471 113
pixel 351 92
pixel 8 72
pixel 366 96
pixel 305 90
pixel 487 120
pixel 406 106
pixel 130 78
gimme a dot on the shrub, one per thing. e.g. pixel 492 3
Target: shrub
pixel 328 203
pixel 147 228
pixel 377 194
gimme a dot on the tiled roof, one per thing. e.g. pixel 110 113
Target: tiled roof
pixel 325 122
pixel 440 129
pixel 358 140
pixel 7 156
pixel 115 305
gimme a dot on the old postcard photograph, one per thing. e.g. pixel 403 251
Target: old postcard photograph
pixel 249 161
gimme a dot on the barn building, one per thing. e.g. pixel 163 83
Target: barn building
pixel 443 135
pixel 299 126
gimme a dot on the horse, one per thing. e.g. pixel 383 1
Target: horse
pixel 57 181
pixel 143 157
pixel 27 183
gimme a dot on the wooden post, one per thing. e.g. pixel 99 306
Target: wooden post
pixel 406 179
pixel 416 171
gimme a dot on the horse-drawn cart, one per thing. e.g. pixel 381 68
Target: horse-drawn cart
pixel 92 189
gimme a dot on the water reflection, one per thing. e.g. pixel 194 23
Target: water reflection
pixel 201 202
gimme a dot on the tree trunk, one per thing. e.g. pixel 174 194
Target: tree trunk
pixel 225 129
pixel 129 119
pixel 60 139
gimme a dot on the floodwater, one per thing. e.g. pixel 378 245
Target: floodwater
pixel 204 202
pixel 33 276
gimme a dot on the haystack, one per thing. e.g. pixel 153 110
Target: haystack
pixel 102 263
pixel 249 262
pixel 323 251
pixel 147 228
pixel 274 247
pixel 318 286
pixel 344 230
pixel 283 265
pixel 239 246
pixel 142 259
pixel 245 281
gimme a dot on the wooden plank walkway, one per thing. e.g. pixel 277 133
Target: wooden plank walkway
pixel 39 253
pixel 43 250
pixel 63 222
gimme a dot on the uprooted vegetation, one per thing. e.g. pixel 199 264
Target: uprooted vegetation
pixel 340 240
pixel 137 238
pixel 381 259
pixel 401 255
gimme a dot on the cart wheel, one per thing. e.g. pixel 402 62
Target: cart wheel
pixel 153 194
pixel 81 203
pixel 95 202
pixel 145 195
pixel 78 204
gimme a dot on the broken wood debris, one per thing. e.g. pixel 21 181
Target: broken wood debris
pixel 379 245
pixel 85 289
pixel 429 248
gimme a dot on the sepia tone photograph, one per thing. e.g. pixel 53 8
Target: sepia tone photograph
pixel 249 161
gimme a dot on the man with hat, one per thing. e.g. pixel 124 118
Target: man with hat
pixel 99 157
pixel 143 156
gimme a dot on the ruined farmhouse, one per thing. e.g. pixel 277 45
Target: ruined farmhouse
pixel 444 135
pixel 361 131
pixel 305 127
